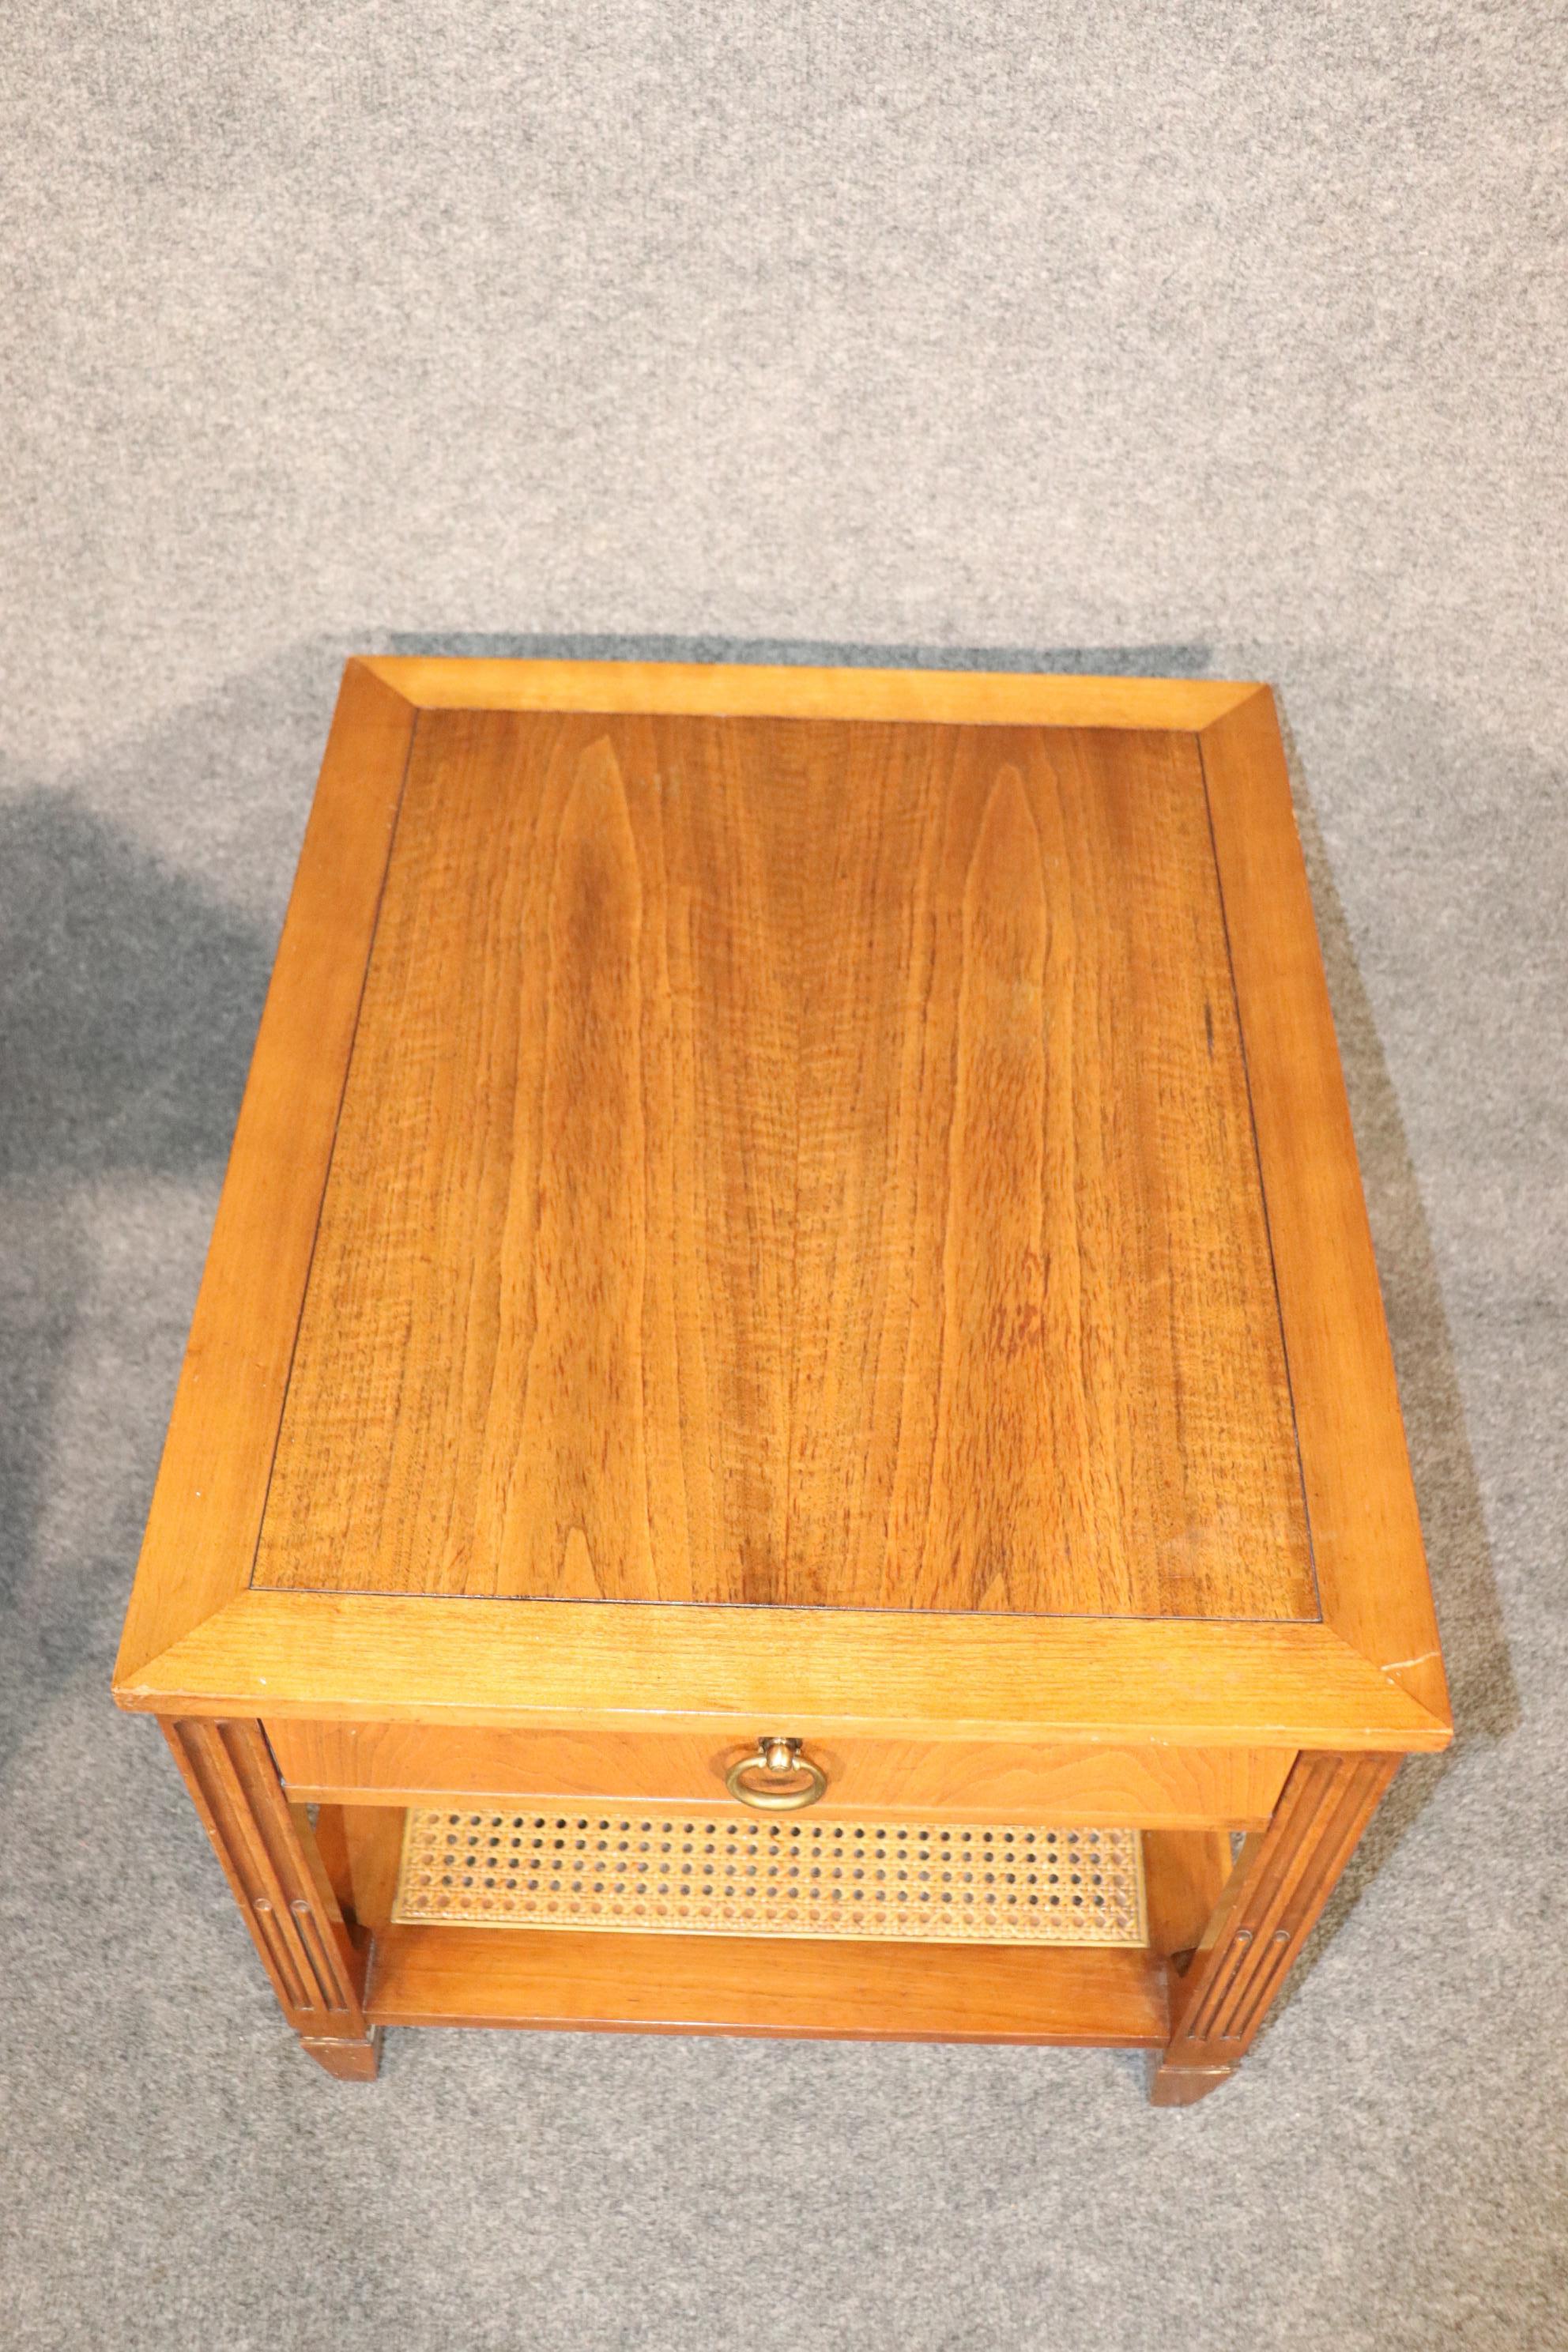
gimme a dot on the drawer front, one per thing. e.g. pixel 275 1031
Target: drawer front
pixel 1148 1788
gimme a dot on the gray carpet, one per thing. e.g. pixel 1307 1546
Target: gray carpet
pixel 1194 338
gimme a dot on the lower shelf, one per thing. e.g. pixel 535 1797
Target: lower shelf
pixel 580 1981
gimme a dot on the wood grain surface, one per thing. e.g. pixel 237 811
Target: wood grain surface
pixel 796 1163
pixel 1186 1873
pixel 280 1883
pixel 883 1673
pixel 763 690
pixel 1283 1877
pixel 1370 1561
pixel 336 1763
pixel 737 1984
pixel 866 1147
pixel 1368 1676
pixel 212 1482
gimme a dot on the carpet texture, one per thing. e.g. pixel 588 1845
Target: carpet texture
pixel 1205 338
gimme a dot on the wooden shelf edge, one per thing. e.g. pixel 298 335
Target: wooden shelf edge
pixel 759 691
pixel 573 1982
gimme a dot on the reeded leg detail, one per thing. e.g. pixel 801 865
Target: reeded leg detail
pixel 1281 1883
pixel 268 1851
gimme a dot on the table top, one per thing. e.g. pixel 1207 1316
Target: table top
pixel 861 1151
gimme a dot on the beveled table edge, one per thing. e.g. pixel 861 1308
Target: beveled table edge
pixel 577 1664
pixel 746 690
pixel 1369 1676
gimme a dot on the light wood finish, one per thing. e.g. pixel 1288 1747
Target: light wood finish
pixel 283 1888
pixel 331 1843
pixel 212 1482
pixel 302 1654
pixel 723 1984
pixel 748 690
pixel 1282 1882
pixel 346 2062
pixel 373 1837
pixel 878 1673
pixel 342 1763
pixel 307 1655
pixel 1185 1874
pixel 1371 1566
pixel 815 1203
pixel 790 1118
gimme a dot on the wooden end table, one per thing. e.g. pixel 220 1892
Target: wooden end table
pixel 789 1428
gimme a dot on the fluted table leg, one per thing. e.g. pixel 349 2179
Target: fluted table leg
pixel 268 1851
pixel 1282 1882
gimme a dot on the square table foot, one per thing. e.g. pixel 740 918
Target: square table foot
pixel 1184 2086
pixel 346 2062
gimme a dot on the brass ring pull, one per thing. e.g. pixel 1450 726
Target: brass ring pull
pixel 779 1766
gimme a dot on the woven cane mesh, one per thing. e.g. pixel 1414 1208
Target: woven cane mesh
pixel 712 1873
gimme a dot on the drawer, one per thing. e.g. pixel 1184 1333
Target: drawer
pixel 1000 1780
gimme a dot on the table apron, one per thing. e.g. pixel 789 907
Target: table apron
pixel 1141 1787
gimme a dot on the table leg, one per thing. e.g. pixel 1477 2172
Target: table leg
pixel 1281 1883
pixel 268 1850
